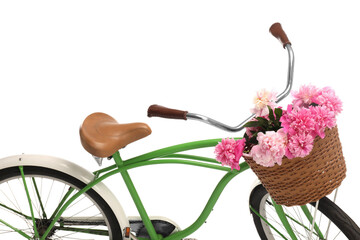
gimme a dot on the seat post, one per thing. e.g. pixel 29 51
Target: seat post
pixel 135 196
pixel 118 160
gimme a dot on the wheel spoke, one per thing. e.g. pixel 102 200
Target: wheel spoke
pixel 62 201
pixel 39 198
pixel 15 229
pixel 306 222
pixel 43 193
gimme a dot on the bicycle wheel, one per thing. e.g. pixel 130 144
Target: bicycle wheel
pixel 88 217
pixel 330 221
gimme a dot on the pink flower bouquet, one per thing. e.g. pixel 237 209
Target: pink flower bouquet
pixel 275 133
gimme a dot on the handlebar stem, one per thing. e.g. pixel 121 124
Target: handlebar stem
pixel 290 76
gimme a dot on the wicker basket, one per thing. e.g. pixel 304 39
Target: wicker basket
pixel 299 181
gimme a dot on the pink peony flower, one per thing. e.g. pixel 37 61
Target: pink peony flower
pixel 311 112
pixel 262 100
pixel 324 118
pixel 229 151
pixel 305 96
pixel 298 120
pixel 271 148
pixel 299 145
pixel 327 98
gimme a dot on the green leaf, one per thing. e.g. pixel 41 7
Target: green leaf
pixel 264 123
pixel 278 113
pixel 271 114
pixel 277 125
pixel 255 135
pixel 253 139
pixel 246 137
pixel 253 124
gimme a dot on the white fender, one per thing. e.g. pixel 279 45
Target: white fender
pixel 71 169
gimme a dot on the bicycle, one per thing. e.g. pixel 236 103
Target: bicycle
pixel 61 200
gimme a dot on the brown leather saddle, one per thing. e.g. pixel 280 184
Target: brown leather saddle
pixel 101 135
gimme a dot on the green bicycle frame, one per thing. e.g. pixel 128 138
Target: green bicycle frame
pixel 168 155
pixel 162 156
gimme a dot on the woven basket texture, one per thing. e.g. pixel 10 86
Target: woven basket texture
pixel 299 181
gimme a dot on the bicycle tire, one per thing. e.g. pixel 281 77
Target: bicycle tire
pixel 102 219
pixel 258 200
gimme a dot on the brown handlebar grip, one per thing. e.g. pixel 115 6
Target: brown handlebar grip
pixel 160 111
pixel 277 31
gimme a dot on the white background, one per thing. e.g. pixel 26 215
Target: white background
pixel 62 60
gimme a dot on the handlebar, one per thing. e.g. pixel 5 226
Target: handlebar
pixel 160 111
pixel 277 31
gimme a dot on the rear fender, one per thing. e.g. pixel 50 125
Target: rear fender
pixel 73 170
